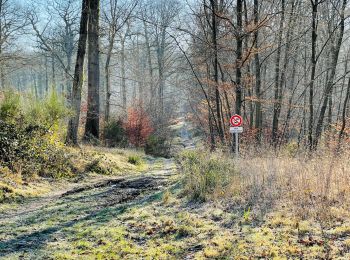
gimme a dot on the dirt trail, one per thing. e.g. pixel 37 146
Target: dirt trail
pixel 186 137
pixel 44 220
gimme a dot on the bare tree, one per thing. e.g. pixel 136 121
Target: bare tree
pixel 277 87
pixel 258 112
pixel 239 53
pixel 57 37
pixel 92 124
pixel 115 18
pixel 73 124
pixel 12 21
pixel 335 49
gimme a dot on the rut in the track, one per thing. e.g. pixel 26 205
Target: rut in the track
pixel 46 220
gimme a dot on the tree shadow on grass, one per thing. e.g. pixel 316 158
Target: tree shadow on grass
pixel 96 216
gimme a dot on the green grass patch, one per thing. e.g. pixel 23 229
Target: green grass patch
pixel 135 159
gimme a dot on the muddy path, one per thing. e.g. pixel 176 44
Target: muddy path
pixel 24 232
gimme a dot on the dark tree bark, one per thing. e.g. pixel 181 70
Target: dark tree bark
pixel 313 72
pixel 108 82
pixel 73 124
pixel 93 100
pixel 214 7
pixel 258 113
pixel 239 53
pixel 249 89
pixel 277 90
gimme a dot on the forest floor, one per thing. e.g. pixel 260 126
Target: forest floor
pixel 143 214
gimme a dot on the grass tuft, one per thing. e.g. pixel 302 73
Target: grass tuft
pixel 135 159
pixel 207 175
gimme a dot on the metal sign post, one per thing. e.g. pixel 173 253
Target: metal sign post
pixel 236 128
pixel 236 148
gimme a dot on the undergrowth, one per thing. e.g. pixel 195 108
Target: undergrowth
pixel 30 136
pixel 207 175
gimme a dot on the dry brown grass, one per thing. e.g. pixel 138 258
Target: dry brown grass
pixel 305 196
pixel 309 184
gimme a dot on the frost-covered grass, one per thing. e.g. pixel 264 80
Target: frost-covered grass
pixel 170 228
pixel 272 209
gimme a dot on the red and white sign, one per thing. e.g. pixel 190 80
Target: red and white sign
pixel 236 120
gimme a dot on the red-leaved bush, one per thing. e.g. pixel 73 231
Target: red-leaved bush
pixel 138 126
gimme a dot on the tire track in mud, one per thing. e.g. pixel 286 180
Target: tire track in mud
pixel 152 180
pixel 46 220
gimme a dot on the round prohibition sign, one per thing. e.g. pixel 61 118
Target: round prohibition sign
pixel 236 120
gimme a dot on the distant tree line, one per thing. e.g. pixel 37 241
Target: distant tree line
pixel 282 65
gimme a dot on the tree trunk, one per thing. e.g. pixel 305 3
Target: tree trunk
pixel 139 72
pixel 329 84
pixel 313 73
pixel 68 77
pixel 330 109
pixel 290 102
pixel 149 61
pixel 73 124
pixel 258 113
pixel 35 86
pixel 108 77
pixel 239 40
pixel 346 101
pixel 93 100
pixel 277 98
pixel 122 63
pixel 53 83
pixel 160 58
pixel 214 7
pixel 342 88
pixel 69 55
pixel 46 76
pixel 2 74
pixel 108 88
pixel 249 89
